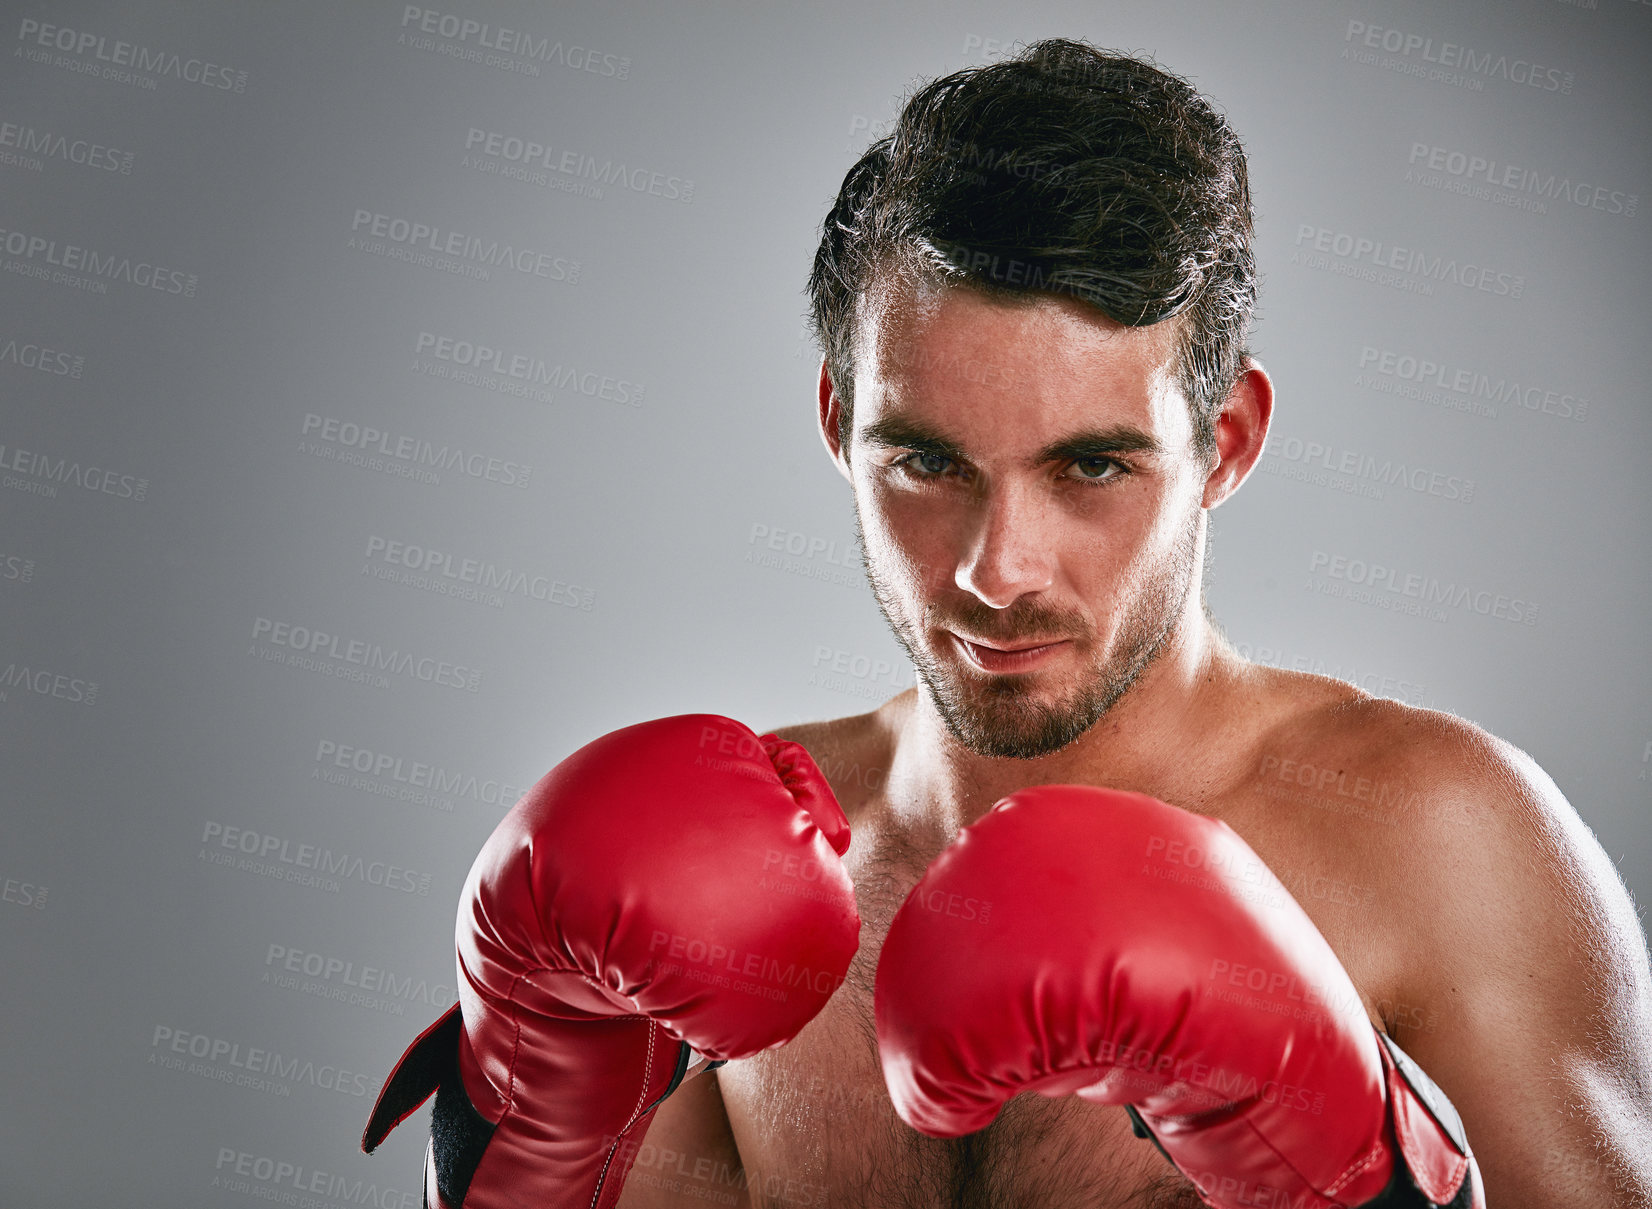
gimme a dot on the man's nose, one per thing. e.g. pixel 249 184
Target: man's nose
pixel 1010 550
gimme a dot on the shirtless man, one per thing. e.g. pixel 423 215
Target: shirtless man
pixel 1035 412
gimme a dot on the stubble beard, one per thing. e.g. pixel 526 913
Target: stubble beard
pixel 994 716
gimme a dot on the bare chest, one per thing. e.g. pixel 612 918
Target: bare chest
pixel 815 1126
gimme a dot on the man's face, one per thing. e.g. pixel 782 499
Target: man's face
pixel 1023 474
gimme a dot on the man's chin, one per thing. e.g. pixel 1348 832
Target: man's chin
pixel 992 739
pixel 1007 717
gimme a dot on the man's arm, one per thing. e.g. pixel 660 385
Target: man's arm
pixel 688 1157
pixel 1523 945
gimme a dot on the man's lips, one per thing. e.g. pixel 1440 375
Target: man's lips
pixel 991 657
pixel 1006 646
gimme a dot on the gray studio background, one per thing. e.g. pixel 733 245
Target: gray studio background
pixel 242 405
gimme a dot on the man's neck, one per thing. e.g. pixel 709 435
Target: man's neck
pixel 1167 717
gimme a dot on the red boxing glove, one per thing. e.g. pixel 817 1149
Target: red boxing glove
pixel 1097 963
pixel 670 885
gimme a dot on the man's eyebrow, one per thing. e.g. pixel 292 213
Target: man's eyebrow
pixel 1096 442
pixel 896 431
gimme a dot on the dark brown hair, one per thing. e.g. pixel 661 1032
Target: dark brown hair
pixel 1067 170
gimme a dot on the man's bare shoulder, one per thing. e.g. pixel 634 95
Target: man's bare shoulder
pixel 1462 831
pixel 1329 736
pixel 1415 797
pixel 831 736
pixel 853 752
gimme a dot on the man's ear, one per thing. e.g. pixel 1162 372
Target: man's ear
pixel 830 411
pixel 1241 429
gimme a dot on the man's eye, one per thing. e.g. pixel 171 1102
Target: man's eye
pixel 1097 469
pixel 925 465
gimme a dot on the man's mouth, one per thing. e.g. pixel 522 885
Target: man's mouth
pixel 1009 657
